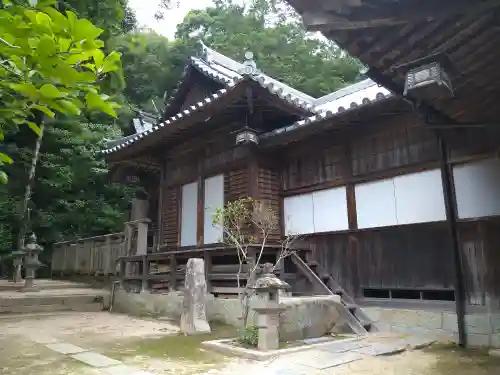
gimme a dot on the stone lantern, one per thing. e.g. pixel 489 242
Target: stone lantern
pixel 31 263
pixel 268 307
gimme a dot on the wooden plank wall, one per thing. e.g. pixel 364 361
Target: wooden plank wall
pixel 408 257
pixel 268 182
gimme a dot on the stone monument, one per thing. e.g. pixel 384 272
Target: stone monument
pixel 268 308
pixel 17 261
pixel 194 316
pixel 31 264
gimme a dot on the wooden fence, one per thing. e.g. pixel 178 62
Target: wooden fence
pixel 89 256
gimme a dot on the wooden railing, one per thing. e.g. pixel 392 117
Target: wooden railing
pixel 98 255
pixel 88 256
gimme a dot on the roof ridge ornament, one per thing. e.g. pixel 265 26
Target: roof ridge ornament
pixel 249 65
pixel 203 51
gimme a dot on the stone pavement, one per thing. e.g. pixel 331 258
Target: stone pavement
pixel 322 359
pixel 73 344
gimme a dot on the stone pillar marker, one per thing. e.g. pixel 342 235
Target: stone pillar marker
pixel 17 261
pixel 194 316
pixel 268 308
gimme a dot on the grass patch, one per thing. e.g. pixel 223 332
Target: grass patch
pixel 455 361
pixel 175 347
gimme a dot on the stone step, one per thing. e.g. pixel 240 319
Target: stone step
pixel 43 284
pixel 30 309
pixel 54 300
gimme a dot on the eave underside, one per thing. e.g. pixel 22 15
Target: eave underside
pixel 471 41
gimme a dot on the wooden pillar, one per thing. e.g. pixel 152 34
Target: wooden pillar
pixel 173 272
pixel 200 207
pixel 142 236
pixel 451 217
pixel 208 269
pixel 352 218
pixel 159 235
pixel 145 273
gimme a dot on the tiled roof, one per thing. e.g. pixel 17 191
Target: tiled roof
pixel 128 141
pixel 349 98
pixel 229 72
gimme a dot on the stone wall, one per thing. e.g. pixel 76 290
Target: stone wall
pixel 304 317
pixel 482 329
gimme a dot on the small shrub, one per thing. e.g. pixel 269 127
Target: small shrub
pixel 249 336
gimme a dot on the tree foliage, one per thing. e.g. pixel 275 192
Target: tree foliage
pixel 73 196
pixel 50 63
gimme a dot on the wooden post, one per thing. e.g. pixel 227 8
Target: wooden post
pixel 451 217
pixel 142 236
pixel 145 273
pixel 173 272
pixel 208 269
pixel 201 205
pixel 122 272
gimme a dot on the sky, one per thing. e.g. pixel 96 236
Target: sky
pixel 145 10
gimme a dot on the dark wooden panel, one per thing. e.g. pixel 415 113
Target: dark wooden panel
pixel 269 193
pixel 236 184
pixel 393 148
pixel 313 168
pixel 171 204
pixel 480 243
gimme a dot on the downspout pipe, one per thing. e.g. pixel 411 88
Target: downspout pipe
pixel 427 112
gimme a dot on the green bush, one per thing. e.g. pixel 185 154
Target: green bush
pixel 249 336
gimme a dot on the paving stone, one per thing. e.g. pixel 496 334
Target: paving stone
pixel 44 340
pixel 328 360
pixel 288 368
pixel 123 370
pixel 65 348
pixel 341 347
pixel 316 340
pixel 95 359
pixel 419 342
pixel 382 349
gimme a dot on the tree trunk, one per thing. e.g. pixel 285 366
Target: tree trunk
pixel 28 188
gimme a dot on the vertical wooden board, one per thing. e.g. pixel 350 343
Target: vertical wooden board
pixel 170 217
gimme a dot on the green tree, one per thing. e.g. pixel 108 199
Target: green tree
pixel 50 63
pixel 280 44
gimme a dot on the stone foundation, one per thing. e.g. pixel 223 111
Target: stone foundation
pixel 304 317
pixel 482 329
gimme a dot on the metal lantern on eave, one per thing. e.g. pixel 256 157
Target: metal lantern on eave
pixel 429 77
pixel 247 136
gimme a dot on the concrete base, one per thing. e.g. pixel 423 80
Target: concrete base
pixel 304 317
pixel 227 347
pixel 483 330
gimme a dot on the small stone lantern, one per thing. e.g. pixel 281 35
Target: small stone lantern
pixel 31 264
pixel 268 307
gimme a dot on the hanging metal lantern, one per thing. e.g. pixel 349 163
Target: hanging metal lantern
pixel 247 135
pixel 428 77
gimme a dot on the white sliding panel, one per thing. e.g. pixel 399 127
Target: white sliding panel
pixel 330 210
pixel 298 211
pixel 214 199
pixel 189 214
pixel 376 204
pixel 419 197
pixel 477 188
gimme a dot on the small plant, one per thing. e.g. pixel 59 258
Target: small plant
pixel 249 336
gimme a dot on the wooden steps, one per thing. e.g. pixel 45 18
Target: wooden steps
pixel 324 283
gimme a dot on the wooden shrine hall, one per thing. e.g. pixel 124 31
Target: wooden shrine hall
pixel 359 173
pixel 441 57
